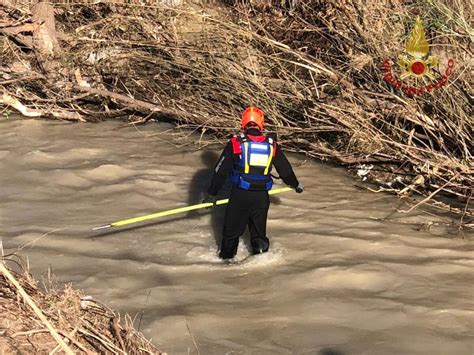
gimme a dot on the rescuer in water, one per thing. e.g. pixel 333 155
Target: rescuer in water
pixel 247 159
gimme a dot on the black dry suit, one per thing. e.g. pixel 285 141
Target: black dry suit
pixel 248 160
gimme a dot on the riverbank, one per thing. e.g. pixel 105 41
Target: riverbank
pixel 51 319
pixel 315 69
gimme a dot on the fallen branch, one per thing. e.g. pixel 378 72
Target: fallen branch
pixel 9 100
pixel 70 337
pixel 23 78
pixel 105 343
pixel 131 102
pixel 116 329
pixel 14 30
pixel 429 197
pixel 30 332
pixel 26 42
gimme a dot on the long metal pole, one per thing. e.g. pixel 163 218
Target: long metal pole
pixel 177 210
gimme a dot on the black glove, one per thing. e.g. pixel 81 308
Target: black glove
pixel 300 188
pixel 210 199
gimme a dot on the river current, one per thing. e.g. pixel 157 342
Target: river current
pixel 347 272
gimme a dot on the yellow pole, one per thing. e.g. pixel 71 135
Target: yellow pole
pixel 178 210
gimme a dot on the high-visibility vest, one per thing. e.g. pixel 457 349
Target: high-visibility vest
pixel 251 171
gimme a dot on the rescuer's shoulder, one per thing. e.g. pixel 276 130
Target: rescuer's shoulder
pixel 272 136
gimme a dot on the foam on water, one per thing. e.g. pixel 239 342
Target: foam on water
pixel 243 259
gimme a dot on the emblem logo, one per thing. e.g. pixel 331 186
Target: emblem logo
pixel 416 63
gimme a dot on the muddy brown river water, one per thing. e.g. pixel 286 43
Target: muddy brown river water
pixel 346 274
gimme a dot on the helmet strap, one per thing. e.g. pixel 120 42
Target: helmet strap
pixel 251 125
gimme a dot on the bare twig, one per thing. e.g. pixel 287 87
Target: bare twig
pixel 430 196
pixel 192 336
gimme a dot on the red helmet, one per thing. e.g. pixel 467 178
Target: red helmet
pixel 252 114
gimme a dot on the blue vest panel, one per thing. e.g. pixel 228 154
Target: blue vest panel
pixel 252 170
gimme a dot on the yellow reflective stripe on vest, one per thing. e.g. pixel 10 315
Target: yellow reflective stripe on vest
pixel 246 156
pixel 269 162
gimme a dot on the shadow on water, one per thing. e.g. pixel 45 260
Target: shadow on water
pixel 197 190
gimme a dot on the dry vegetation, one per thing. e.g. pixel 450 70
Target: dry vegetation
pixel 85 325
pixel 313 66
